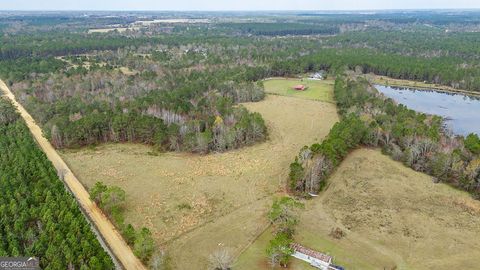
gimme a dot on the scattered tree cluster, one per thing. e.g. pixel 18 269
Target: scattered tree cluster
pixel 314 164
pixel 112 201
pixel 283 217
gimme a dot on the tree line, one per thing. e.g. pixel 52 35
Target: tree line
pixel 40 218
pixel 448 71
pixel 111 199
pixel 416 139
pixel 282 29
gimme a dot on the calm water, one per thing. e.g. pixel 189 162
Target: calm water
pixel 461 112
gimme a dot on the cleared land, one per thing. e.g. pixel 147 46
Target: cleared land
pixel 87 64
pixel 135 26
pixel 171 21
pixel 109 234
pixel 392 216
pixel 317 90
pixel 196 204
pixel 107 30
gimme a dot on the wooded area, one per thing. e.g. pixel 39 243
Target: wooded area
pixel 41 218
pixel 179 89
pixel 179 86
pixel 416 139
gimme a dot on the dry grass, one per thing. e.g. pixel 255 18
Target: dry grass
pixel 395 217
pixel 392 217
pixel 127 71
pixel 194 204
pixel 402 215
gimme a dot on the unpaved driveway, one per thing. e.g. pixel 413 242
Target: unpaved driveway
pixel 111 236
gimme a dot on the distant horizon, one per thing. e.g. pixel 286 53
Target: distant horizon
pixel 241 10
pixel 241 6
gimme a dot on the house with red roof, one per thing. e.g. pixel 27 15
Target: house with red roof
pixel 300 87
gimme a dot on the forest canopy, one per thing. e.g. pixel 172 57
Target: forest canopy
pixel 370 119
pixel 44 219
pixel 179 86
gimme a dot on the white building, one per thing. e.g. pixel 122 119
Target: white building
pixel 317 76
pixel 314 258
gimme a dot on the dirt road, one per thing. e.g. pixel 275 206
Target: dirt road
pixel 110 235
pixel 194 204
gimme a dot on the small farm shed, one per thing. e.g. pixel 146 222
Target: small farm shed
pixel 300 87
pixel 314 258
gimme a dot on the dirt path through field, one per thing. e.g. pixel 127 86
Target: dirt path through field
pixel 108 232
pixel 196 204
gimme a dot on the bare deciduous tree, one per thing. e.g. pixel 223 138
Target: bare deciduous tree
pixel 221 259
pixel 273 260
pixel 319 167
pixel 160 261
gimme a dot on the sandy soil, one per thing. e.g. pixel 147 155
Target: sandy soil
pixel 111 236
pixel 196 204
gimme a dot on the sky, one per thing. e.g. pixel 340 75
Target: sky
pixel 191 5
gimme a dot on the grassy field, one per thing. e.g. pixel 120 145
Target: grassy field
pixel 196 204
pixel 392 217
pixel 317 90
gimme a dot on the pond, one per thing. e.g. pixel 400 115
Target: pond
pixel 461 112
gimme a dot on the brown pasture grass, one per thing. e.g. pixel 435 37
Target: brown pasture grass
pixel 392 216
pixel 196 204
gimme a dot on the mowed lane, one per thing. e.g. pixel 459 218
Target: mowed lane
pixel 111 236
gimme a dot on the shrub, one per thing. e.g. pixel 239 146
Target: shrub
pixel 472 143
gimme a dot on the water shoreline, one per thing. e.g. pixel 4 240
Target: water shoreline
pixel 386 81
pixel 458 110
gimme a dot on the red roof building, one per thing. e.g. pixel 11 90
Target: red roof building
pixel 299 87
